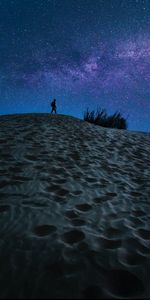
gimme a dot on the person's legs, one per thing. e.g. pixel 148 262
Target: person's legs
pixel 53 109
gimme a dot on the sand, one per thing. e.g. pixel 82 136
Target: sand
pixel 74 209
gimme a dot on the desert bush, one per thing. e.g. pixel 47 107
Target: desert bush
pixel 101 118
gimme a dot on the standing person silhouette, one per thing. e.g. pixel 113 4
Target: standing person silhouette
pixel 53 105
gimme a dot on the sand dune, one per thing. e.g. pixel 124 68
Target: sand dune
pixel 74 209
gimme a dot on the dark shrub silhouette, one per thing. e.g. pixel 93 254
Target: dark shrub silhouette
pixel 101 118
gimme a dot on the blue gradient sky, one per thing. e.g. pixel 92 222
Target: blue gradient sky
pixel 85 53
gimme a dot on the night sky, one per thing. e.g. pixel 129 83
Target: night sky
pixel 84 53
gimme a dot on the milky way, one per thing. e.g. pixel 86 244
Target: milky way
pixel 84 53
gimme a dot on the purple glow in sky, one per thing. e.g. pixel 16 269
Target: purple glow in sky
pixel 84 53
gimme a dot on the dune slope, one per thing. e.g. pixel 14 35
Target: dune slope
pixel 74 209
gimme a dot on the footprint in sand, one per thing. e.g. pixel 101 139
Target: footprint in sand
pixel 4 184
pixel 135 221
pixel 130 257
pixel 83 207
pixel 58 190
pixel 61 181
pixel 76 193
pixel 73 236
pixel 90 179
pixel 60 199
pixel 78 222
pixel 111 194
pixel 101 199
pixel 62 192
pixel 4 208
pixel 7 157
pixel 44 153
pixel 71 214
pixel 34 204
pixel 135 194
pixel 21 178
pixel 93 292
pixel 103 181
pixel 53 188
pixel 138 213
pixel 122 283
pixel 110 243
pixel 31 157
pixel 43 230
pixel 112 232
pixel 144 234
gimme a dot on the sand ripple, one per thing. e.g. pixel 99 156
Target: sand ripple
pixel 74 209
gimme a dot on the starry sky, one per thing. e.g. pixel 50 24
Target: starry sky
pixel 84 53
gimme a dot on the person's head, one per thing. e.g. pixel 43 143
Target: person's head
pixel 54 100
